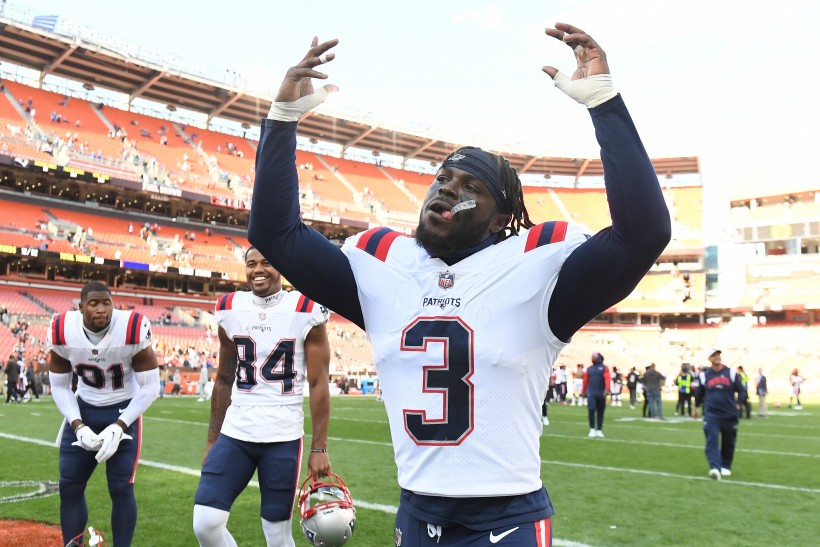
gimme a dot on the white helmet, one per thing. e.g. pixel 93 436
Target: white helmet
pixel 326 508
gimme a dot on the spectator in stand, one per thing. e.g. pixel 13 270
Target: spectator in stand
pixel 795 380
pixel 653 382
pixel 762 391
pixel 596 390
pixel 719 386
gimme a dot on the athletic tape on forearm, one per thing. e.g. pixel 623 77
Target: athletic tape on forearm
pixel 148 382
pixel 292 111
pixel 63 396
pixel 590 91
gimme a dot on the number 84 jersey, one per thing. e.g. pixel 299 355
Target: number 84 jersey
pixel 268 335
pixel 104 369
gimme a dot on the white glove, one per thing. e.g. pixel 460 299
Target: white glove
pixel 111 437
pixel 293 110
pixel 590 91
pixel 86 438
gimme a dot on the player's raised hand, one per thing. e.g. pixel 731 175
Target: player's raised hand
pixel 296 95
pixel 589 56
pixel 87 439
pixel 111 437
pixel 591 83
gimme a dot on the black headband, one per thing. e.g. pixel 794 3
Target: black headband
pixel 485 167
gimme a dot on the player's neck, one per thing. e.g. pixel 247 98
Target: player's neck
pixel 269 300
pixel 93 336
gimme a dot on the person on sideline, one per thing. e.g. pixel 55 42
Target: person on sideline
pixel 596 390
pixel 110 351
pixel 762 391
pixel 271 343
pixel 719 386
pixel 795 380
pixel 475 307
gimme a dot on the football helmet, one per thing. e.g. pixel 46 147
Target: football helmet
pixel 326 508
pixel 92 538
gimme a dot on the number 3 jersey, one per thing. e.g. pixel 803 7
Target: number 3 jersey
pixel 269 336
pixel 104 369
pixel 463 354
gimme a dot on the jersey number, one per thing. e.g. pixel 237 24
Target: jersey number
pixel 450 379
pixel 94 376
pixel 278 367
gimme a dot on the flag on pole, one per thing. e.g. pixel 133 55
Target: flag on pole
pixel 46 22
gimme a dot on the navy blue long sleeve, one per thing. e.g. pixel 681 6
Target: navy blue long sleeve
pixel 306 258
pixel 609 265
pixel 601 272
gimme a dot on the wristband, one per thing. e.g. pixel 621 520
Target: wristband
pixel 318 450
pixel 78 427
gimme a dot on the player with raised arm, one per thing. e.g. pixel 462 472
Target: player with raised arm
pixel 118 379
pixel 466 318
pixel 271 343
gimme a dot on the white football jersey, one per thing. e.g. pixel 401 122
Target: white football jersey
pixel 463 354
pixel 269 336
pixel 104 369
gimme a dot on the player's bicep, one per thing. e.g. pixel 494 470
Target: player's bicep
pixel 57 363
pixel 317 354
pixel 144 360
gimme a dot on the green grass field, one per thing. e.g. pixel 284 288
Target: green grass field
pixel 644 484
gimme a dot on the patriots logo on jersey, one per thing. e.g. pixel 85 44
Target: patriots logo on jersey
pixel 446 280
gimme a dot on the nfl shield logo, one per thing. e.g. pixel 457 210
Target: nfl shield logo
pixel 262 316
pixel 446 280
pixel 94 352
pixel 398 537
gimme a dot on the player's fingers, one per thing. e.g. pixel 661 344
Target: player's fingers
pixel 569 29
pixel 317 49
pixel 583 40
pixel 301 72
pixel 550 70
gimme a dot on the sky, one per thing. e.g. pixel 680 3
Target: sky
pixel 734 83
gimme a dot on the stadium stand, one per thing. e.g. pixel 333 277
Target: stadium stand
pixel 670 318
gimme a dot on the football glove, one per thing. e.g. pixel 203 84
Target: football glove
pixel 87 439
pixel 111 437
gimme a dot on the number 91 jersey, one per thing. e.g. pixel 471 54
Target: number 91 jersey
pixel 104 369
pixel 463 354
pixel 269 335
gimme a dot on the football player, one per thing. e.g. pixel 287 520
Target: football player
pixel 271 342
pixel 466 318
pixel 110 351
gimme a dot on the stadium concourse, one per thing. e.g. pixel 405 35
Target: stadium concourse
pixel 154 202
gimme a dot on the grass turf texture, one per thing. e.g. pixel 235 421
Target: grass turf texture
pixel 645 483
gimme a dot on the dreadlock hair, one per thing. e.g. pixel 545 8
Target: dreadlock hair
pixel 93 286
pixel 512 190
